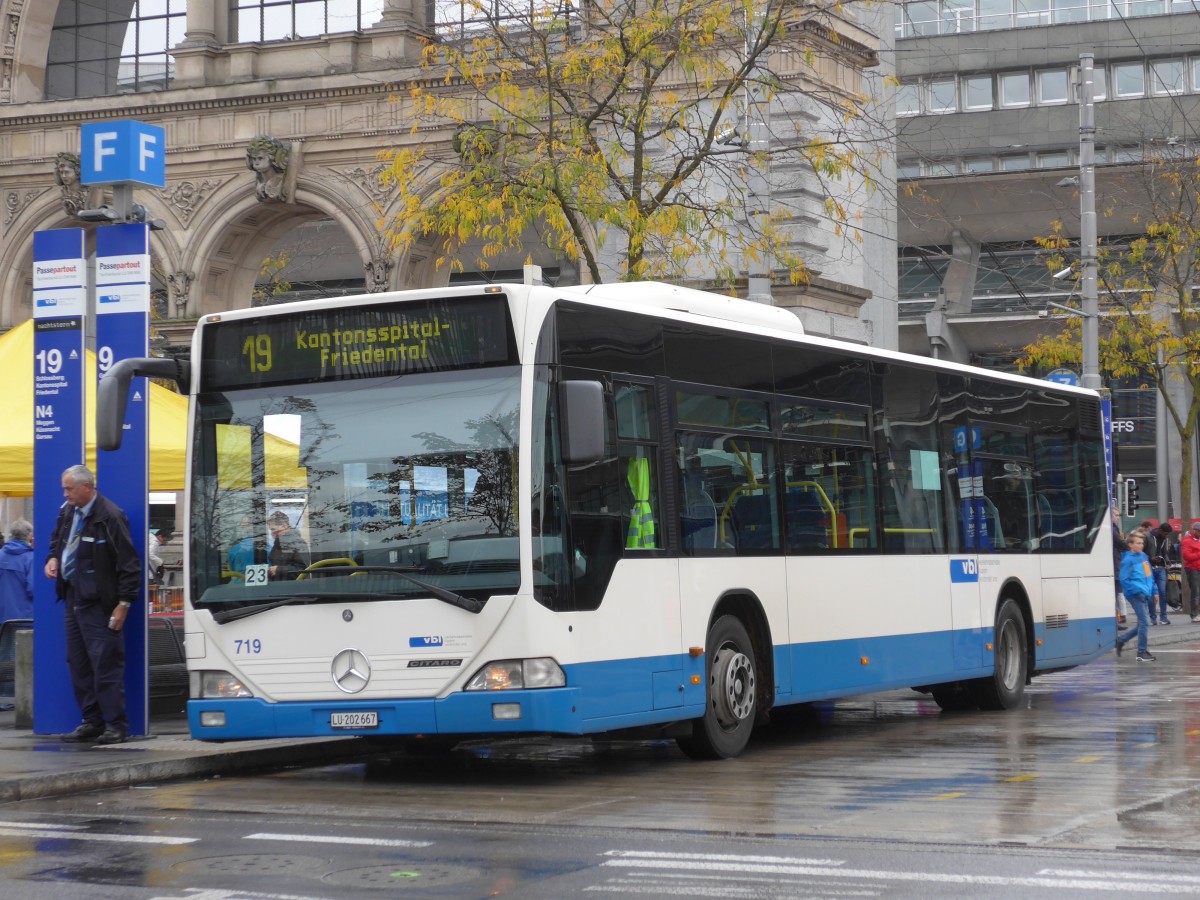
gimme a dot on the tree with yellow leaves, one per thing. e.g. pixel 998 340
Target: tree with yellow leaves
pixel 1150 325
pixel 627 127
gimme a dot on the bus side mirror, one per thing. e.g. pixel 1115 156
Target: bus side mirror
pixel 112 395
pixel 581 420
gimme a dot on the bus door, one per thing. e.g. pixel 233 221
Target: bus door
pixel 972 539
pixel 1005 513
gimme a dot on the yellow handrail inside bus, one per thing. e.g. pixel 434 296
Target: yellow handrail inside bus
pixel 752 484
pixel 322 563
pixel 826 504
pixel 727 509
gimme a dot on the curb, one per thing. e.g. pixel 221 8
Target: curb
pixel 130 773
pixel 1166 634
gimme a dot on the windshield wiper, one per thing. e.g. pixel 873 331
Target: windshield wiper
pixel 222 616
pixel 446 596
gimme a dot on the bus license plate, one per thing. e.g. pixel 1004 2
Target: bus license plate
pixel 354 720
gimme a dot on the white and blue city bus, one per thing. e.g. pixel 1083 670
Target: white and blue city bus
pixel 625 508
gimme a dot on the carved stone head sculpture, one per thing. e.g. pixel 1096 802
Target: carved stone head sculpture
pixel 268 159
pixel 66 176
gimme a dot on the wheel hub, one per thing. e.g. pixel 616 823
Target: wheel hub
pixel 1008 661
pixel 733 687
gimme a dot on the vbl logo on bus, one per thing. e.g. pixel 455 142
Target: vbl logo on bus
pixel 426 641
pixel 964 570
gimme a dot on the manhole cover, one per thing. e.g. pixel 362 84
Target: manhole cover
pixel 403 876
pixel 255 864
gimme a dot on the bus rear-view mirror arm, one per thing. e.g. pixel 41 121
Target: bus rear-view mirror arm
pixel 112 395
pixel 581 420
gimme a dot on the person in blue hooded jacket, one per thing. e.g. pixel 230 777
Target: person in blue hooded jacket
pixel 1137 584
pixel 16 573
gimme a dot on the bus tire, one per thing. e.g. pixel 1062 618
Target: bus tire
pixel 953 697
pixel 731 695
pixel 1006 685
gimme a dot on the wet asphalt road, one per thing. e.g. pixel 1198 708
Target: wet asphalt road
pixel 1092 789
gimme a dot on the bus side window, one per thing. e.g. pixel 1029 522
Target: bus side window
pixel 753 513
pixel 636 451
pixel 807 524
pixel 642 533
pixel 699 517
pixel 1007 489
pixel 910 479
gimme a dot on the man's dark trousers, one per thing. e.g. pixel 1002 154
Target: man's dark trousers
pixel 96 659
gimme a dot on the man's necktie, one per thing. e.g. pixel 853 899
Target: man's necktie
pixel 68 557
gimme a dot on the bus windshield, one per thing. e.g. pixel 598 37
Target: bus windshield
pixel 378 488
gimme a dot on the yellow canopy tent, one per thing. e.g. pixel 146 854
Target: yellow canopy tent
pixel 168 421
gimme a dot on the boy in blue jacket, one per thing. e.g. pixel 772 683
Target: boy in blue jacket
pixel 1138 586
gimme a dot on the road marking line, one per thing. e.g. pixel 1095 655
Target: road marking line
pixel 335 839
pixel 1017 778
pixel 1146 744
pixel 722 857
pixel 1086 873
pixel 1102 883
pixel 232 894
pixel 953 795
pixel 658 889
pixel 62 833
pixel 1089 759
pixel 687 885
pixel 41 825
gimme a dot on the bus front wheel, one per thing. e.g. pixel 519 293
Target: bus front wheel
pixel 1006 686
pixel 731 696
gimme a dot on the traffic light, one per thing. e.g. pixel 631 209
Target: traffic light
pixel 1131 496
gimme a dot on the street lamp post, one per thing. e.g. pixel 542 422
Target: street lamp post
pixel 1087 226
pixel 758 175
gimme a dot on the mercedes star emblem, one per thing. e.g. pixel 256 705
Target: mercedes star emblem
pixel 351 670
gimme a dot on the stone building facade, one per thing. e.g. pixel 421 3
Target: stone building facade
pixel 281 133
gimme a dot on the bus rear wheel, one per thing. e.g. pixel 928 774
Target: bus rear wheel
pixel 732 694
pixel 953 697
pixel 1006 685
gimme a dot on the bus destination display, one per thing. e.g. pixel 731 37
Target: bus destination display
pixel 358 342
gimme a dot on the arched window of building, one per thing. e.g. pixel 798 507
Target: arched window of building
pixel 104 47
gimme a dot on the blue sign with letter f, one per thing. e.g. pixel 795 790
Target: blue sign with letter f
pixel 124 152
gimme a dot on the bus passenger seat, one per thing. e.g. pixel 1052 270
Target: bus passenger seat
pixel 699 520
pixel 806 522
pixel 752 522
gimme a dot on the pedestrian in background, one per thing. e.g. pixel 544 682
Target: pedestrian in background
pixel 97 571
pixel 16 573
pixel 157 538
pixel 1119 548
pixel 1160 549
pixel 1137 584
pixel 1189 552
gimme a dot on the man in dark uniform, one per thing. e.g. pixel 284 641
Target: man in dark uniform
pixel 97 572
pixel 289 554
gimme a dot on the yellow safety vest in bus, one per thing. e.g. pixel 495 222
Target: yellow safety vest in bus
pixel 641 517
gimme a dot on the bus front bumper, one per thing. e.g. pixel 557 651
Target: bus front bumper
pixel 547 710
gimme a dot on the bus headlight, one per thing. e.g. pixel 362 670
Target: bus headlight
pixel 518 674
pixel 221 686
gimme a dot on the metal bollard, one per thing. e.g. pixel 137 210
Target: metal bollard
pixel 23 678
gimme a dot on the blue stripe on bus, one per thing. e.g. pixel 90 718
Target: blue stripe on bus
pixel 607 695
